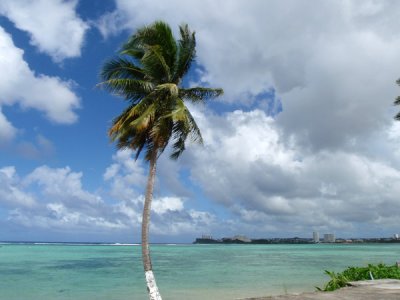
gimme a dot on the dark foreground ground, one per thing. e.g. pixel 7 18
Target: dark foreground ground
pixel 384 289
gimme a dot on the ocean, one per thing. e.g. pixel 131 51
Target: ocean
pixel 196 272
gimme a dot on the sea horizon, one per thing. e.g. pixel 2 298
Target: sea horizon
pixel 160 243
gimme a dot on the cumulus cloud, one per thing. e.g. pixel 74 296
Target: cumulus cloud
pixel 266 186
pixel 11 194
pixel 340 106
pixel 270 185
pixel 163 205
pixel 53 25
pixel 19 85
pixel 53 183
pixel 55 200
pixel 7 130
pixel 170 215
pixel 334 70
pixel 330 158
pixel 127 177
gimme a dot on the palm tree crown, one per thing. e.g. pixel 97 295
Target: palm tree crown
pixel 148 73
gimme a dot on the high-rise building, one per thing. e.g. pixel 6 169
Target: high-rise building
pixel 315 236
pixel 329 238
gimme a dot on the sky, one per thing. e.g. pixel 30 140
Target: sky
pixel 303 139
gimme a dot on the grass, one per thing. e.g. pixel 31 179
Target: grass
pixel 380 271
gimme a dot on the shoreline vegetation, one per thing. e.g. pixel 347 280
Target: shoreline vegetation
pixel 294 240
pixel 370 272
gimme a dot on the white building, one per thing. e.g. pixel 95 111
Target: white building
pixel 206 237
pixel 329 238
pixel 315 235
pixel 396 236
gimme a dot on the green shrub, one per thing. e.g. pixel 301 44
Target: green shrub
pixel 380 271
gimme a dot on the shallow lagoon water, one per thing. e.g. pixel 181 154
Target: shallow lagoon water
pixel 197 272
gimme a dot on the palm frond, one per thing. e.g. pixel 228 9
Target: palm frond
pixel 120 68
pixel 200 94
pixel 131 137
pixel 161 133
pixel 397 101
pixel 136 117
pixel 184 126
pixel 157 34
pixel 142 144
pixel 159 136
pixel 195 134
pixel 142 121
pixel 155 65
pixel 167 42
pixel 180 131
pixel 186 53
pixel 113 132
pixel 136 44
pixel 130 89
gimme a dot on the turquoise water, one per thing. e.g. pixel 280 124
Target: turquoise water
pixel 183 271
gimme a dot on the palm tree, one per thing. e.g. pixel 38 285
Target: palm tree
pixel 148 74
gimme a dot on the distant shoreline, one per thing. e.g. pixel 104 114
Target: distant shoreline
pixel 225 241
pixel 295 240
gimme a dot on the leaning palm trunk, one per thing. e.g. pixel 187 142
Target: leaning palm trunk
pixel 152 288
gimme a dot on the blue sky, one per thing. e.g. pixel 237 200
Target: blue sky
pixel 303 139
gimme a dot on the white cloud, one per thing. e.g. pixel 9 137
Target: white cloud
pixel 247 167
pixel 349 92
pixel 7 130
pixel 170 214
pixel 54 200
pixel 11 194
pixel 267 186
pixel 126 176
pixel 57 217
pixel 165 204
pixel 63 184
pixel 327 160
pixel 53 25
pixel 20 85
pixel 111 23
pixel 62 204
pixel 334 70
